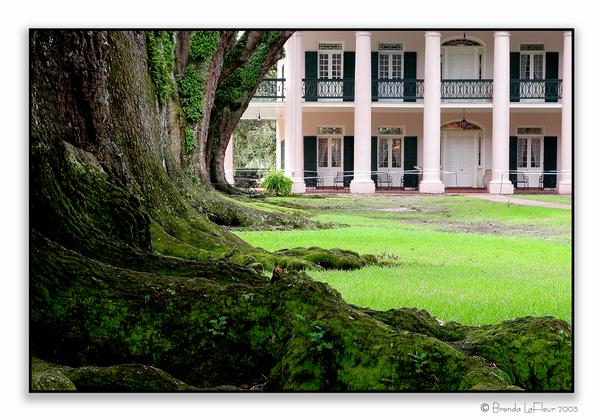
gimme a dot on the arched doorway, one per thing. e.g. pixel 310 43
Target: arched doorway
pixel 462 58
pixel 462 154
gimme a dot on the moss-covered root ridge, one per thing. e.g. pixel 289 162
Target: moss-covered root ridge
pixel 212 324
pixel 119 378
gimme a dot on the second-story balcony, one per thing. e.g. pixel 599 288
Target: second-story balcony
pixel 270 90
pixel 407 90
pixel 465 90
pixel 314 89
pixel 534 90
pixel 412 90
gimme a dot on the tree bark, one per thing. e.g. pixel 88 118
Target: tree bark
pixel 227 113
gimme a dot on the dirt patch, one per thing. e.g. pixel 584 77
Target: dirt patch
pixel 485 228
pixel 397 210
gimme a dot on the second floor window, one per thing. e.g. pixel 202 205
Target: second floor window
pixel 390 65
pixel 330 60
pixel 532 62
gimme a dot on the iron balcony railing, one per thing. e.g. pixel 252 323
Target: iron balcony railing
pixel 273 89
pixel 467 89
pixel 270 90
pixel 406 89
pixel 549 90
pixel 314 89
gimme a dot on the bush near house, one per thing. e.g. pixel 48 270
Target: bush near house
pixel 276 183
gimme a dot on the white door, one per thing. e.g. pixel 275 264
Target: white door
pixel 329 158
pixel 389 158
pixel 461 63
pixel 459 160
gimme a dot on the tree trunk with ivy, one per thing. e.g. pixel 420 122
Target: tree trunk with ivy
pixel 133 285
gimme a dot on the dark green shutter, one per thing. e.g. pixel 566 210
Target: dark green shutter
pixel 310 160
pixel 374 153
pixel 552 73
pixel 410 75
pixel 515 74
pixel 349 64
pixel 512 160
pixel 282 154
pixel 374 76
pixel 374 158
pixel 410 161
pixel 348 160
pixel 550 161
pixel 310 75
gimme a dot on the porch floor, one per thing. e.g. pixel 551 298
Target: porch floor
pixel 448 190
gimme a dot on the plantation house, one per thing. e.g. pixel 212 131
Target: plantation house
pixel 422 110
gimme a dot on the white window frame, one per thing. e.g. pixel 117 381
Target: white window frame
pixel 389 138
pixel 389 54
pixel 531 55
pixel 329 54
pixel 329 138
pixel 528 138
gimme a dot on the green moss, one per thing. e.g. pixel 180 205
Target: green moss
pixel 535 353
pixel 191 94
pixel 242 80
pixel 330 259
pixel 161 62
pixel 168 245
pixel 119 378
pixel 203 45
pixel 49 377
pixel 189 143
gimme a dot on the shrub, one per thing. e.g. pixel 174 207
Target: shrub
pixel 276 183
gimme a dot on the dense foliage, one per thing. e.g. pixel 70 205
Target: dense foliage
pixel 276 183
pixel 254 144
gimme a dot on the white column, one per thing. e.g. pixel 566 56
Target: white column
pixel 500 182
pixel 431 182
pixel 279 135
pixel 229 161
pixel 362 182
pixel 565 179
pixel 294 142
pixel 288 110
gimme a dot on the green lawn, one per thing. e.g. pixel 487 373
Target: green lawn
pixel 550 198
pixel 462 259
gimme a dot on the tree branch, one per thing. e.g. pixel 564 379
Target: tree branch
pixel 237 58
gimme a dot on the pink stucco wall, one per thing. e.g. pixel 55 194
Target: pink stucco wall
pixel 415 41
pixel 413 123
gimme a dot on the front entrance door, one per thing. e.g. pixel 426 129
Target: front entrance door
pixel 459 159
pixel 329 158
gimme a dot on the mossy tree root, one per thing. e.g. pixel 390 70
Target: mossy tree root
pixel 215 324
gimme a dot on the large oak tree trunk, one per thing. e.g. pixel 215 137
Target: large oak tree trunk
pixel 126 266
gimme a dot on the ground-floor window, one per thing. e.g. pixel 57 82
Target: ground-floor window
pixel 329 152
pixel 389 152
pixel 529 148
pixel 389 147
